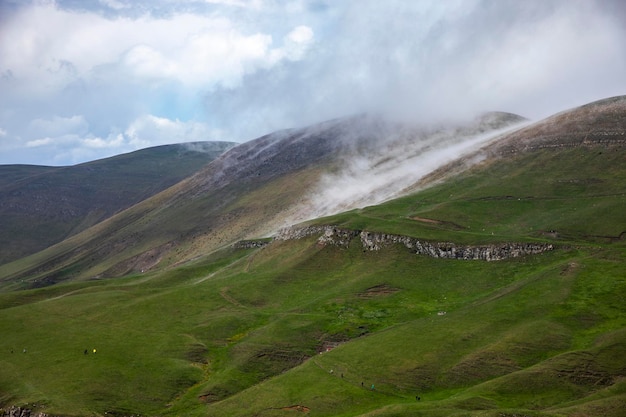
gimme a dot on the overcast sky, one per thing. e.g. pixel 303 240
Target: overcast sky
pixel 87 79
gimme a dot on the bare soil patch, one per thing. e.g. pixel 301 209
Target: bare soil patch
pixel 300 408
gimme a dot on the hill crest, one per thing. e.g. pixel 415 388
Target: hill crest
pixel 40 206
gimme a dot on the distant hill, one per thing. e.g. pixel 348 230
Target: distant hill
pixel 40 206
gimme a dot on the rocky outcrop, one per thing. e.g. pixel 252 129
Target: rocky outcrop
pixel 373 241
pixel 328 235
pixel 250 244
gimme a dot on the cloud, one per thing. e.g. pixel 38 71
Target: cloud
pixel 56 46
pixel 57 62
pixel 297 42
pixel 115 4
pixel 435 60
pixel 254 4
pixel 245 68
pixel 151 130
pixel 58 126
pixel 218 55
pixel 379 169
pixel 66 141
pixel 39 142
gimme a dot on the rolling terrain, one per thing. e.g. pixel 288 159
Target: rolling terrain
pixel 342 315
pixel 41 206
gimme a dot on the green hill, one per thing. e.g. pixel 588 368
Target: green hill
pixel 308 325
pixel 247 192
pixel 41 206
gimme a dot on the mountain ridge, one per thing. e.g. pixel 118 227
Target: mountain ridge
pixel 206 211
pixel 40 206
pixel 603 122
pixel 294 164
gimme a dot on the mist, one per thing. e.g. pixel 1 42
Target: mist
pixel 424 62
pixel 381 160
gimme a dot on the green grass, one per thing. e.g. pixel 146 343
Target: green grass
pixel 578 193
pixel 239 332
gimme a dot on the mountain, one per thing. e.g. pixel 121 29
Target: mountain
pixel 568 168
pixel 250 191
pixel 595 125
pixel 40 206
pixel 496 288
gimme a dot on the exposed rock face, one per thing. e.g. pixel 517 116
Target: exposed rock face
pixel 250 244
pixel 328 235
pixel 372 241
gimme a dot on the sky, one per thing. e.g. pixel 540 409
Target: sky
pixel 86 79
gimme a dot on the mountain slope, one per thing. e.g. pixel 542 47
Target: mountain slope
pixel 315 326
pixel 597 125
pixel 248 191
pixel 40 206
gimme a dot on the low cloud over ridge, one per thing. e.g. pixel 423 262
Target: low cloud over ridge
pixel 234 70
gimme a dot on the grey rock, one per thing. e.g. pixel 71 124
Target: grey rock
pixel 374 241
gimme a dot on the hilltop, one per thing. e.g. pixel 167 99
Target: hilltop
pixel 600 124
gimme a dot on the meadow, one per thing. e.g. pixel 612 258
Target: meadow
pixel 297 328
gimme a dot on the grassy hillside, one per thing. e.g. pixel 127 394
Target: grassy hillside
pixel 249 191
pixel 159 233
pixel 239 332
pixel 40 206
pixel 564 196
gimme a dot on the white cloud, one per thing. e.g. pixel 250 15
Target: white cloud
pixel 253 4
pixel 68 141
pixel 242 68
pixel 215 55
pixel 297 42
pixel 57 126
pixel 46 48
pixel 57 62
pixel 112 141
pixel 115 4
pixel 434 60
pixel 39 142
pixel 151 130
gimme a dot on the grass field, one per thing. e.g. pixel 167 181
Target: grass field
pixel 295 328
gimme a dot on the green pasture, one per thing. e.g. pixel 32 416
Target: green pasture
pixel 296 328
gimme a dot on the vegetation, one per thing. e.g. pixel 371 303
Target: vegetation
pixel 42 206
pixel 295 328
